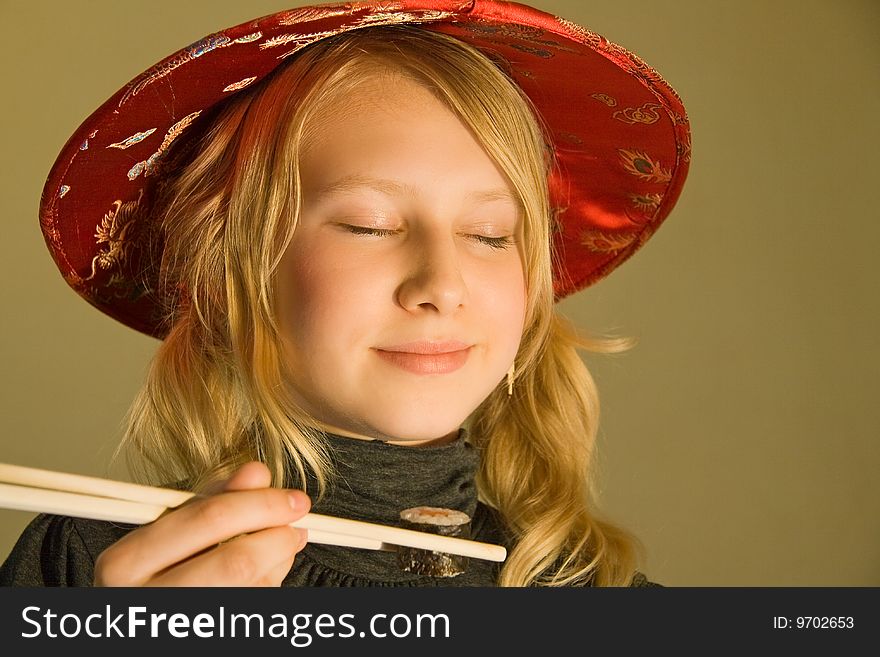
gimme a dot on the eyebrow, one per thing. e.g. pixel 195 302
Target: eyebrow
pixel 351 183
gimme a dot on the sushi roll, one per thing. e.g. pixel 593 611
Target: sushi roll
pixel 434 520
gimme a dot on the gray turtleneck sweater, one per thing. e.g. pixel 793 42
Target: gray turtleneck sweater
pixel 376 481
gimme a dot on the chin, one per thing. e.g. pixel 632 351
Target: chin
pixel 409 417
pixel 420 427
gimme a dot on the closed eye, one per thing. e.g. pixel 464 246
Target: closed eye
pixel 494 242
pixel 366 230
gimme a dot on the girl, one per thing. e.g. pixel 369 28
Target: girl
pixel 349 224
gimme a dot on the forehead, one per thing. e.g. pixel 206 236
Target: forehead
pixel 367 96
pixel 394 128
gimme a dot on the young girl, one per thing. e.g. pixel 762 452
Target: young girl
pixel 349 224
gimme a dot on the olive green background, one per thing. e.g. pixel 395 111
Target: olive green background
pixel 739 438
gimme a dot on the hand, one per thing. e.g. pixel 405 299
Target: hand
pixel 238 536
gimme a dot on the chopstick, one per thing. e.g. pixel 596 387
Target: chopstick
pixel 42 500
pixel 46 491
pixel 60 498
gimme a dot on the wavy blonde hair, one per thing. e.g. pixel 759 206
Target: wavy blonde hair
pixel 214 396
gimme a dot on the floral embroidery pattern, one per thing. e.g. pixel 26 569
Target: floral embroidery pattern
pixel 642 166
pixel 605 98
pixel 114 233
pixel 381 16
pixel 241 84
pixel 637 64
pixel 646 114
pixel 85 145
pixel 309 14
pixel 647 203
pixel 683 144
pixel 601 242
pixel 301 40
pixel 588 36
pixel 399 18
pixel 248 38
pixel 533 35
pixel 134 139
pixel 543 54
pixel 148 166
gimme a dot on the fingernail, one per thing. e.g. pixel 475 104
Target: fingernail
pixel 291 498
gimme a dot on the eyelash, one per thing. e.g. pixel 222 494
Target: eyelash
pixel 492 242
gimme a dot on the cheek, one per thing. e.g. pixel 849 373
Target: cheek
pixel 502 295
pixel 322 304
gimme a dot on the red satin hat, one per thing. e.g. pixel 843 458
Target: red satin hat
pixel 619 131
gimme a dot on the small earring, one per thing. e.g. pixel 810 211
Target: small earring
pixel 510 374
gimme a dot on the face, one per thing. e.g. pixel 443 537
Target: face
pixel 401 297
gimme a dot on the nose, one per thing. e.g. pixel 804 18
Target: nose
pixel 434 281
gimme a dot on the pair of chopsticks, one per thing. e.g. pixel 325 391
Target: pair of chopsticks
pixel 46 491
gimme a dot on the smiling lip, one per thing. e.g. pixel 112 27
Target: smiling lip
pixel 427 357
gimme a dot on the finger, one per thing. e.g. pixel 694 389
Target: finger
pixel 262 558
pixel 195 527
pixel 250 475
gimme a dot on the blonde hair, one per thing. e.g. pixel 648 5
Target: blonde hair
pixel 214 395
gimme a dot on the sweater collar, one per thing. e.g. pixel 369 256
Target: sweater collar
pixel 375 481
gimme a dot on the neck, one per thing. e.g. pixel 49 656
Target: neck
pixel 391 440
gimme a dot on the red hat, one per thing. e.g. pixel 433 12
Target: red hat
pixel 619 131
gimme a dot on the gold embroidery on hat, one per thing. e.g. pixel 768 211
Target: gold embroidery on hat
pixel 159 71
pixel 643 167
pixel 602 242
pixel 682 136
pixel 85 145
pixel 647 203
pixel 309 14
pixel 394 17
pixel 533 35
pixel 589 37
pixel 605 98
pixel 376 8
pixel 538 52
pixel 523 32
pixel 50 230
pixel 113 233
pixel 253 36
pixel 301 40
pixel 636 64
pixel 134 139
pixel 684 147
pixel 376 18
pixel 646 114
pixel 241 84
pixel 148 166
